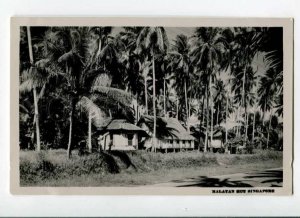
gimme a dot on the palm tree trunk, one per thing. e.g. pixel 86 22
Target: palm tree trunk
pixel 263 116
pixel 164 97
pixel 90 132
pixel 253 128
pixel 137 111
pixel 226 133
pixel 246 126
pixel 186 107
pixel 71 132
pixel 243 88
pixel 201 120
pixel 218 109
pixel 37 124
pixel 70 136
pixel 243 97
pixel 154 101
pixel 203 111
pixel 268 137
pixel 238 121
pixel 212 111
pixel 207 121
pixel 35 99
pixel 177 106
pixel 146 94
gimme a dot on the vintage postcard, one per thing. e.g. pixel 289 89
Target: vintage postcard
pixel 151 106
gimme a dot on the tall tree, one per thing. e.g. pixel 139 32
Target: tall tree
pixel 247 42
pixel 155 40
pixel 268 90
pixel 181 64
pixel 36 111
pixel 209 47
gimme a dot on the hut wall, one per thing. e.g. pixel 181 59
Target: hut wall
pixel 216 143
pixel 135 139
pixel 193 144
pixel 120 140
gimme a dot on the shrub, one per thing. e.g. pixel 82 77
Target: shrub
pixel 52 164
pixel 238 143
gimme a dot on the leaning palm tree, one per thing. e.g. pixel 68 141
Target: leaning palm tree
pixel 92 104
pixel 155 41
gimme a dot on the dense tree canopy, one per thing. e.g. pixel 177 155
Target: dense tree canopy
pixel 78 76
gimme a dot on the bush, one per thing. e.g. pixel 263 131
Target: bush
pixel 53 164
pixel 242 146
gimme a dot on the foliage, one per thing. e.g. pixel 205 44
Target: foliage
pixel 79 71
pixel 239 143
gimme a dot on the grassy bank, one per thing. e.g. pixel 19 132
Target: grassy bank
pixel 52 168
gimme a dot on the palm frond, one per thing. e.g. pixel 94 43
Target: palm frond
pixel 118 95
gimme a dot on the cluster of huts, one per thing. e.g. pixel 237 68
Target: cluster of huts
pixel 120 134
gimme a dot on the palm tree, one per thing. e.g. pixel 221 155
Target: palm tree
pixel 100 39
pixel 145 74
pixel 36 78
pixel 219 98
pixel 246 44
pixel 153 39
pixel 136 65
pixel 36 112
pixel 209 47
pixel 267 91
pixel 181 64
pixel 94 106
pixel 80 56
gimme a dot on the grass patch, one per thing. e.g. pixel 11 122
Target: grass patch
pixel 117 168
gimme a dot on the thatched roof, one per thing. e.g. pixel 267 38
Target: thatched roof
pixel 119 125
pixel 217 133
pixel 122 124
pixel 174 128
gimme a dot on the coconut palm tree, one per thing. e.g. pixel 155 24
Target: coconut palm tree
pixel 247 42
pixel 93 105
pixel 155 41
pixel 73 50
pixel 182 67
pixel 219 98
pixel 268 90
pixel 36 78
pixel 36 112
pixel 209 47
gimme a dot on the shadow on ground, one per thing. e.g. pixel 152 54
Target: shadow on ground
pixel 204 181
pixel 268 178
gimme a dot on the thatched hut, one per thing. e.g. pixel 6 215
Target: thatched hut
pixel 119 134
pixel 171 135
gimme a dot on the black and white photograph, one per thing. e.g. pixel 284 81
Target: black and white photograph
pixel 153 106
